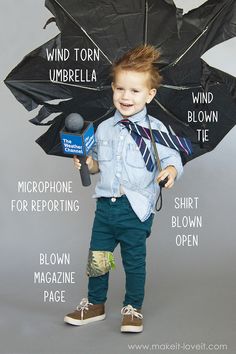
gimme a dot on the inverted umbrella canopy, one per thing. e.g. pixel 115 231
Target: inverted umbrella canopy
pixel 195 100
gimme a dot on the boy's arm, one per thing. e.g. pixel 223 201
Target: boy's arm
pixel 171 162
pixel 91 161
pixel 172 168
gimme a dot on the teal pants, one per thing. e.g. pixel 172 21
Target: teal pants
pixel 115 222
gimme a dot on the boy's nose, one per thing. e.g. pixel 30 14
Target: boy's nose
pixel 126 94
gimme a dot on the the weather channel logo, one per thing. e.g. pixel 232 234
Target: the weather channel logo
pixel 71 148
pixel 78 144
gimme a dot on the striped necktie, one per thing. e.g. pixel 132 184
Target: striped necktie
pixel 172 141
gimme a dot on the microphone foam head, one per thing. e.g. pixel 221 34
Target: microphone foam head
pixel 74 122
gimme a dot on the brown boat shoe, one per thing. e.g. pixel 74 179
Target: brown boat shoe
pixel 86 312
pixel 132 319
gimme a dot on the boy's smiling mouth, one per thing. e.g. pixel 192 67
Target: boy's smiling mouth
pixel 126 104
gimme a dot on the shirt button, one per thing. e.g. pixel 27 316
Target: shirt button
pixel 113 199
pixel 118 157
pixel 118 174
pixel 121 137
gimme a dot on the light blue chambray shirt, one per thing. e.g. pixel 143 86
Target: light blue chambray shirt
pixel 121 163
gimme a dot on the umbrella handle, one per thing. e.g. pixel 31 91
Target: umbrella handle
pixel 158 161
pixel 156 155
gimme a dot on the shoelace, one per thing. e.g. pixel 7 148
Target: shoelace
pixel 83 305
pixel 130 310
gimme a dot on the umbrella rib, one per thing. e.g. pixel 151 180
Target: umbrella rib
pixel 186 51
pixel 187 87
pixel 180 88
pixel 198 37
pixel 145 23
pixel 73 85
pixel 169 113
pixel 107 112
pixel 77 23
pixel 60 83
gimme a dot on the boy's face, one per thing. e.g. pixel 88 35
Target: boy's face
pixel 131 91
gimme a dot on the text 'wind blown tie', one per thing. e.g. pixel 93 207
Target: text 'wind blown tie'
pixel 170 140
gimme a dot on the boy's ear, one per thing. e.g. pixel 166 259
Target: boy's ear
pixel 112 85
pixel 152 94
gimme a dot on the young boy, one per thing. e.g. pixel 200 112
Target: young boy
pixel 127 190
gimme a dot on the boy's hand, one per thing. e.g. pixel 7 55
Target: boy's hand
pixel 171 173
pixel 92 164
pixel 89 162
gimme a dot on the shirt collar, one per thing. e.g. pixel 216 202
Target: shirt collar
pixel 138 117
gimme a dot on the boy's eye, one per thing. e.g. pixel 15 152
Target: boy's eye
pixel 135 91
pixel 119 88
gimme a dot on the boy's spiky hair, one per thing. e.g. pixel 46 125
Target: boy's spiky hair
pixel 141 59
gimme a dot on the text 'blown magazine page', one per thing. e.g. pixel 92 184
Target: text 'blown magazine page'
pixel 118 177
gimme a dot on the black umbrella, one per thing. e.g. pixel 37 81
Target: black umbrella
pixel 195 100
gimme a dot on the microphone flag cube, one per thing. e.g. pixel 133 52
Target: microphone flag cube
pixel 78 143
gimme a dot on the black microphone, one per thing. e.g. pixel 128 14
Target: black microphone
pixel 74 123
pixel 77 138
